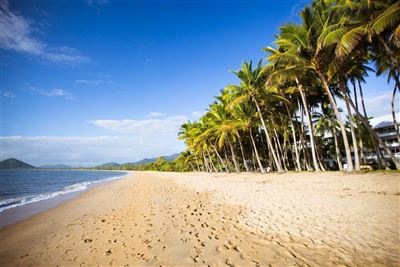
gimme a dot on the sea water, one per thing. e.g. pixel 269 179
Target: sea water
pixel 20 187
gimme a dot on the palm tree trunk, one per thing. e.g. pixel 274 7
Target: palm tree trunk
pixel 310 126
pixel 362 98
pixel 352 130
pixel 354 140
pixel 279 150
pixel 337 149
pixel 291 149
pixel 303 137
pixel 228 163
pixel 361 145
pixel 191 165
pixel 271 148
pixel 396 127
pixel 376 148
pixel 296 149
pixel 205 162
pixel 267 154
pixel 220 159
pixel 243 156
pixel 379 155
pixel 320 160
pixel 211 161
pixel 197 162
pixel 360 142
pixel 350 166
pixel 256 152
pixel 353 82
pixel 285 152
pixel 233 155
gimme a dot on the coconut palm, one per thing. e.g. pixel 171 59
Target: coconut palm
pixel 246 116
pixel 224 128
pixel 374 27
pixel 252 88
pixel 313 66
pixel 286 68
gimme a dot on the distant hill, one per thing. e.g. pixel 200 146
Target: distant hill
pixel 143 161
pixel 14 164
pixel 149 160
pixel 109 164
pixel 55 166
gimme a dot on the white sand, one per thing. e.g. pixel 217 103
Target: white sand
pixel 190 219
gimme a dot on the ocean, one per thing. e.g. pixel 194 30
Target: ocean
pixel 21 187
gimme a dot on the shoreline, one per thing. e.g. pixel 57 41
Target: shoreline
pixel 151 218
pixel 25 211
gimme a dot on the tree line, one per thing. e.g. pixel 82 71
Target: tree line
pixel 283 113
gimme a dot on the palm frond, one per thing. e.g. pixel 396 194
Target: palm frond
pixel 387 19
pixel 349 41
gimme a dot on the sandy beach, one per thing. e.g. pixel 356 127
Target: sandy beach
pixel 188 219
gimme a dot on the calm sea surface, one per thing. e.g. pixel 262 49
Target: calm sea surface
pixel 20 187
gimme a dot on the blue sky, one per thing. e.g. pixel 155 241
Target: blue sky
pixel 87 82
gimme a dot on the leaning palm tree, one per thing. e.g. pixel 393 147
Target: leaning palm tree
pixel 224 128
pixel 371 27
pixel 304 47
pixel 252 87
pixel 285 69
pixel 187 132
pixel 246 118
pixel 325 124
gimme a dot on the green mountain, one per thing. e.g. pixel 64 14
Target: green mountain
pixel 143 161
pixel 109 164
pixel 55 166
pixel 146 160
pixel 14 164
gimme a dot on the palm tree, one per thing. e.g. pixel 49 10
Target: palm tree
pixel 246 117
pixel 187 133
pixel 224 128
pixel 326 123
pixel 252 87
pixel 314 63
pixel 373 26
pixel 286 68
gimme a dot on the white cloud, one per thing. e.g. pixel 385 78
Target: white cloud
pixel 94 82
pixel 57 92
pixel 376 120
pixel 155 114
pixel 375 104
pixel 149 127
pixel 378 105
pixel 8 94
pixel 133 140
pixel 17 35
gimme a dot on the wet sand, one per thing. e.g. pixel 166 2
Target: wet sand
pixel 153 219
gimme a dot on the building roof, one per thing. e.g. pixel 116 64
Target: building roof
pixel 384 124
pixel 385 118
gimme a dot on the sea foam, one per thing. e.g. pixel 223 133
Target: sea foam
pixel 6 204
